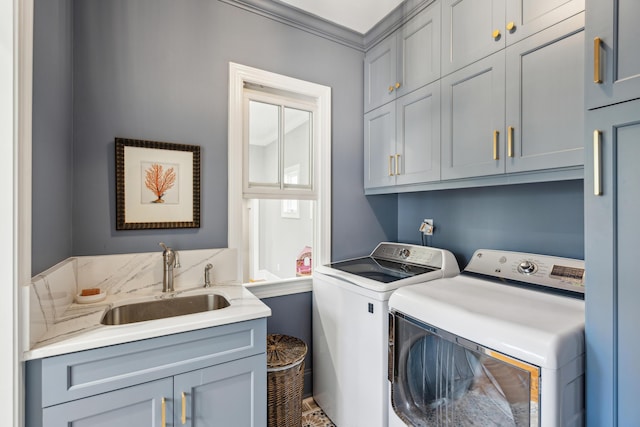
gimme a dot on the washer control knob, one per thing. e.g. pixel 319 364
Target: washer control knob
pixel 527 267
pixel 404 253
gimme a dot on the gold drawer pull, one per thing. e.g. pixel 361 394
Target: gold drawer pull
pixel 495 34
pixel 597 78
pixel 390 165
pixel 597 163
pixel 495 144
pixel 164 412
pixel 184 408
pixel 511 26
pixel 390 89
pixel 510 141
pixel 398 85
pixel 397 162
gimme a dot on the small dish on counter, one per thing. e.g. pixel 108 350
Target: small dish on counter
pixel 88 299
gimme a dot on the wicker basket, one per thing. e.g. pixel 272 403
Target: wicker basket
pixel 285 380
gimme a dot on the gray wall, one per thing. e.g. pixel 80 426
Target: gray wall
pixel 52 159
pixel 158 70
pixel 545 218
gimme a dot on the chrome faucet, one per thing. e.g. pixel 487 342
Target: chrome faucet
pixel 207 275
pixel 170 261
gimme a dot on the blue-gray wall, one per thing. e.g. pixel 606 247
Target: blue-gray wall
pixel 158 70
pixel 545 218
pixel 52 159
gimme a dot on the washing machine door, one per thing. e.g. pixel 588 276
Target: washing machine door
pixel 439 379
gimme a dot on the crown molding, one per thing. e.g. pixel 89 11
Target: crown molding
pixel 289 15
pixel 394 20
pixel 302 20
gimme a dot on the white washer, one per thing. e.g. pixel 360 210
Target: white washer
pixel 500 344
pixel 350 327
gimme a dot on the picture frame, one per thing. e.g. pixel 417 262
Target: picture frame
pixel 157 185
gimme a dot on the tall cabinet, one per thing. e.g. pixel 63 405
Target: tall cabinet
pixel 612 209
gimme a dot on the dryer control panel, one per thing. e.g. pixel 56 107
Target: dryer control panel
pixel 542 270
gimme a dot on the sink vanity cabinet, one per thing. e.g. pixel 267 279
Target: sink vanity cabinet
pixel 207 377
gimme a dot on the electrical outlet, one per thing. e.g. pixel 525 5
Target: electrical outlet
pixel 427 227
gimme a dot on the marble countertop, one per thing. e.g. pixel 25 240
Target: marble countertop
pixel 79 327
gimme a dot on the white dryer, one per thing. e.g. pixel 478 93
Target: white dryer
pixel 350 326
pixel 501 344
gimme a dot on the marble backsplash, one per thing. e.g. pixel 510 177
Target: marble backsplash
pixel 53 291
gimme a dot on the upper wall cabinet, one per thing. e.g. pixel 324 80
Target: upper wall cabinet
pixel 541 125
pixel 402 140
pixel 545 99
pixel 405 61
pixel 613 63
pixel 473 119
pixel 471 30
pixel 474 29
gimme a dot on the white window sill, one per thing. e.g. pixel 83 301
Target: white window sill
pixel 277 288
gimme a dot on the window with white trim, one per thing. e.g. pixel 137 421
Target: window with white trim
pixel 279 174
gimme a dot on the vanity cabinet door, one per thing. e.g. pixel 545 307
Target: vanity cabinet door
pixel 229 394
pixel 137 406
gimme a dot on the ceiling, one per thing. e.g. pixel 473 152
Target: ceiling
pixel 357 15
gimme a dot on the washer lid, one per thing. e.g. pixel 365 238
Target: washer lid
pixel 543 329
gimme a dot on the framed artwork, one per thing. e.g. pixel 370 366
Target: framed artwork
pixel 157 185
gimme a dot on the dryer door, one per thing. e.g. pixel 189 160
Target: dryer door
pixel 439 379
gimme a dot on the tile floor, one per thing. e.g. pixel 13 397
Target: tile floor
pixel 313 416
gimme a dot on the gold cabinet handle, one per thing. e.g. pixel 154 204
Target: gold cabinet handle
pixel 397 162
pixel 511 26
pixel 398 85
pixel 390 165
pixel 390 89
pixel 495 34
pixel 510 141
pixel 596 60
pixel 597 163
pixel 164 412
pixel 184 408
pixel 495 144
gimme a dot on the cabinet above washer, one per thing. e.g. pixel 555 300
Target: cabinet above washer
pixel 404 61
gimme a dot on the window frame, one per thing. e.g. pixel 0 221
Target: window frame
pixel 280 190
pixel 241 77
